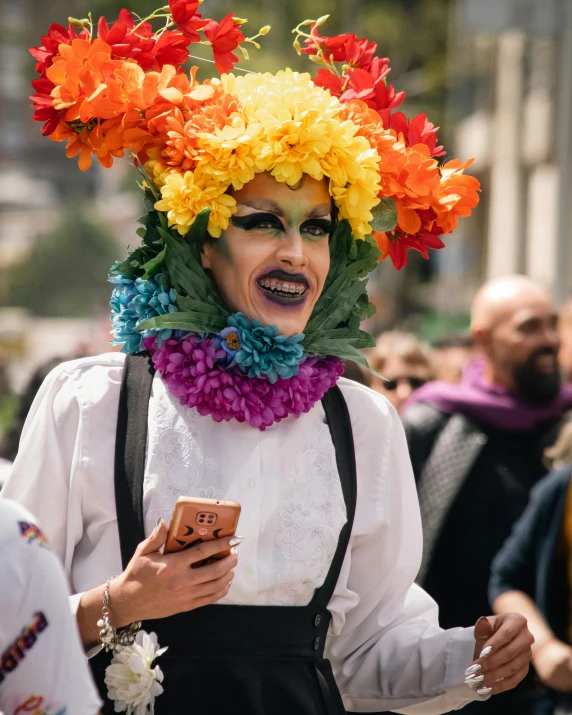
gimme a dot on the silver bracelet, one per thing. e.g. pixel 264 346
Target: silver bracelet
pixel 110 638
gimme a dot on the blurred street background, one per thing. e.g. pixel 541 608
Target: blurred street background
pixel 496 75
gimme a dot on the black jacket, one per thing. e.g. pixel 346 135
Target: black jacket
pixel 533 559
pixel 473 482
pixel 443 449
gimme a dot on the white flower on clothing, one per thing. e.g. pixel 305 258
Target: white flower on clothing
pixel 130 679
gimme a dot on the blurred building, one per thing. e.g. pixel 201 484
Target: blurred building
pixel 510 104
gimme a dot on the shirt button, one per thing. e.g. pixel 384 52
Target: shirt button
pixel 316 643
pixel 317 620
pixel 247 572
pixel 251 484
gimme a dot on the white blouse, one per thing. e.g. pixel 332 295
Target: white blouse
pixel 387 651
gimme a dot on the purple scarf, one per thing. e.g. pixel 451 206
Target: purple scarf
pixel 491 404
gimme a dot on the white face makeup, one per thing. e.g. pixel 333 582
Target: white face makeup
pixel 272 261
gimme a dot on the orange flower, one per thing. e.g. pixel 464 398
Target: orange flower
pixel 80 73
pixel 458 195
pixel 183 127
pixel 103 140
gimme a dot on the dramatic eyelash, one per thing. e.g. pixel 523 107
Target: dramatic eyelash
pixel 250 221
pixel 324 224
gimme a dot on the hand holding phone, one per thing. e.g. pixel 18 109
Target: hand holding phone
pixel 196 520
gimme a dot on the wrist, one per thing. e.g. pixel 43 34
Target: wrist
pixel 120 603
pixel 540 647
pixel 113 637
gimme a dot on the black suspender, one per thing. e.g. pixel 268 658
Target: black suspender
pixel 341 430
pixel 130 451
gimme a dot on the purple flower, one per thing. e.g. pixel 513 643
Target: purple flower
pixel 195 372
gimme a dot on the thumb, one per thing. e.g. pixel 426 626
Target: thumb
pixel 155 540
pixel 483 631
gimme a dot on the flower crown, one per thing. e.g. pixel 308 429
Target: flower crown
pixel 125 90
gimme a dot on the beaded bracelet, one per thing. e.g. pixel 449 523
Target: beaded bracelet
pixel 110 638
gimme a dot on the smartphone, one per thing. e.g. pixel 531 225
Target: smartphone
pixel 195 520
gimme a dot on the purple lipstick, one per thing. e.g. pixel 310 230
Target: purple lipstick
pixel 285 289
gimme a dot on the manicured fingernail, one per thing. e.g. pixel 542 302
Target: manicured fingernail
pixel 236 540
pixel 473 669
pixel 486 652
pixel 484 691
pixel 475 679
pixel 158 524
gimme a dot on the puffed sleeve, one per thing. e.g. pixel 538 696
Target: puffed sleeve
pixel 388 651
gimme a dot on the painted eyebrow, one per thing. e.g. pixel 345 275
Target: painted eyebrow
pixel 262 205
pixel 272 207
pixel 320 211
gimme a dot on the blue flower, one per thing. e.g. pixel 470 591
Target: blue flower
pixel 230 340
pixel 263 351
pixel 132 302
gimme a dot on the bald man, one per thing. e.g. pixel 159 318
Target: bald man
pixel 477 449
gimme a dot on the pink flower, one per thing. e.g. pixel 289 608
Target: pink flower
pixel 194 371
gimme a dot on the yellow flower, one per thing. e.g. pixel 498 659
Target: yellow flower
pixel 157 172
pixel 184 196
pixel 227 154
pixel 294 116
pixel 285 125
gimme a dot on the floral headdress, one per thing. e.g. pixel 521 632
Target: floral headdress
pixel 123 89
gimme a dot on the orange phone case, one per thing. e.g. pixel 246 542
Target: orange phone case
pixel 195 520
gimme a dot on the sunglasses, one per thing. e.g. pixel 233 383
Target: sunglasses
pixel 414 382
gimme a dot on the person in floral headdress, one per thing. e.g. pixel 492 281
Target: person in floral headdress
pixel 270 198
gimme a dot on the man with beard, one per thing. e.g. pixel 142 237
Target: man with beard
pixel 477 449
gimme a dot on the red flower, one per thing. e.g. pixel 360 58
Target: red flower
pixel 328 80
pixel 396 244
pixel 116 35
pixel 342 48
pixel 185 14
pixel 127 44
pixel 171 49
pixel 224 36
pixel 332 47
pixel 57 35
pixel 359 53
pixel 371 88
pixel 42 104
pixel 417 131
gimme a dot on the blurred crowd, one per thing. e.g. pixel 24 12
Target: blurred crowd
pixel 488 420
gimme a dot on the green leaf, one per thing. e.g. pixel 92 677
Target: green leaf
pixel 340 307
pixel 198 233
pixel 342 292
pixel 153 266
pixel 149 201
pixel 163 219
pixel 339 249
pixel 132 266
pixel 343 343
pixel 384 216
pixel 355 338
pixel 183 268
pixel 189 320
pixel 189 304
